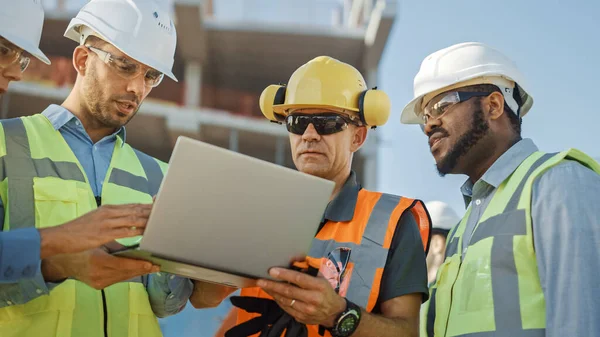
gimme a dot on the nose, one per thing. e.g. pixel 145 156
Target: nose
pixel 12 72
pixel 311 134
pixel 431 124
pixel 137 86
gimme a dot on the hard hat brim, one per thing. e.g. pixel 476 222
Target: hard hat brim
pixel 28 47
pixel 283 108
pixel 409 114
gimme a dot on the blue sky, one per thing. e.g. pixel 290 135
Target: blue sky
pixel 555 45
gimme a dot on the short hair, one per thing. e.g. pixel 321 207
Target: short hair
pixel 515 121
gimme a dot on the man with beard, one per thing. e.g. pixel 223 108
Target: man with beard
pixel 67 161
pixel 21 25
pixel 518 262
pixel 365 274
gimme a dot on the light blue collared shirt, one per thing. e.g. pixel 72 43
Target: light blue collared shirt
pixel 20 249
pixel 566 232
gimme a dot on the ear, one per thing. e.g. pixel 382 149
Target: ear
pixel 359 137
pixel 495 102
pixel 80 58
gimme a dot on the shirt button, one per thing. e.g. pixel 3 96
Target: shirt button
pixel 9 302
pixel 27 271
pixel 77 123
pixel 39 291
pixel 478 202
pixel 157 274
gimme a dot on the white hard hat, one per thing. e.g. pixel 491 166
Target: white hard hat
pixel 442 215
pixel 142 29
pixel 21 23
pixel 462 65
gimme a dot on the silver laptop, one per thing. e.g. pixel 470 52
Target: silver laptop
pixel 226 218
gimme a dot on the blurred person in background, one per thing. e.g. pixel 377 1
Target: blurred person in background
pixel 21 249
pixel 443 218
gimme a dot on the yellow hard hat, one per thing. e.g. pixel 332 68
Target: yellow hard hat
pixel 325 82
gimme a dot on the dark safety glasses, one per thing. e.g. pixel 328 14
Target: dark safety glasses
pixel 325 123
pixel 337 261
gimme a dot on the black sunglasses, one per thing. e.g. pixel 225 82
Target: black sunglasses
pixel 325 123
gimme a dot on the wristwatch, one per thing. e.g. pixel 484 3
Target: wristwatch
pixel 347 322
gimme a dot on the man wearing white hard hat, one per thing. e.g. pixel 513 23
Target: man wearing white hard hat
pixel 71 163
pixel 518 262
pixel 22 248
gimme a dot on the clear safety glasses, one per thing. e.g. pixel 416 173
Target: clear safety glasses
pixel 10 54
pixel 438 106
pixel 128 69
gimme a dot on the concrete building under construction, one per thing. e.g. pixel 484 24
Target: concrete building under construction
pixel 228 52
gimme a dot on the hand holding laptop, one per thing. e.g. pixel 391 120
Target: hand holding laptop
pixel 225 217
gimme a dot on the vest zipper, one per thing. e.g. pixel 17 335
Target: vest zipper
pixel 105 311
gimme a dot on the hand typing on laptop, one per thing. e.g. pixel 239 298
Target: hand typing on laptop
pixel 78 255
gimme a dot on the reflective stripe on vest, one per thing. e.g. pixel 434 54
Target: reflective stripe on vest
pixel 72 308
pixel 504 275
pixel 22 168
pixel 149 185
pixel 368 235
pixel 369 256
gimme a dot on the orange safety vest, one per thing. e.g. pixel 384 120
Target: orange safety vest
pixel 376 216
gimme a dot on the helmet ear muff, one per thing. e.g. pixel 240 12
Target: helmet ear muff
pixel 272 95
pixel 374 107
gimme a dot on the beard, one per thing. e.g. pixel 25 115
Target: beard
pixel 479 128
pixel 101 108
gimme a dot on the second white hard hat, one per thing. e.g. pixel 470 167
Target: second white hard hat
pixel 21 23
pixel 466 64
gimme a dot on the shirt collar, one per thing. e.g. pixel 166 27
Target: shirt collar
pixel 502 168
pixel 59 117
pixel 341 208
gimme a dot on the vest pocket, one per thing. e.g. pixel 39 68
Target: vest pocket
pixel 446 277
pixel 142 321
pixel 55 201
pixel 46 316
pixel 474 293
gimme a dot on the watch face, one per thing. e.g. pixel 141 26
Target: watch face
pixel 347 325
